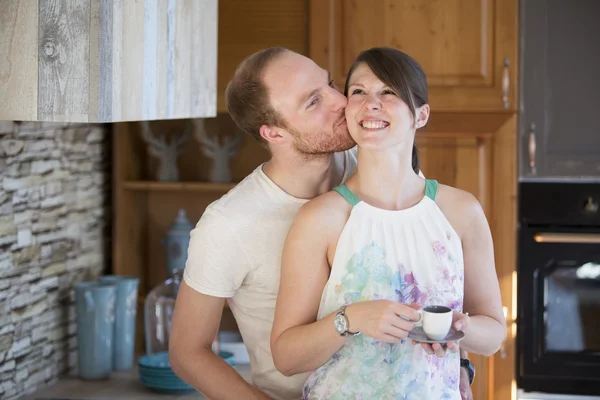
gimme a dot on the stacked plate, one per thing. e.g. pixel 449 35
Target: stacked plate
pixel 155 373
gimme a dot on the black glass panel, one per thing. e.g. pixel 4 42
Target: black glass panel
pixel 572 309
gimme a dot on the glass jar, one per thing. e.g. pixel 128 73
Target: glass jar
pixel 158 313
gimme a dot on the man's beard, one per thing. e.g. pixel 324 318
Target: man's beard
pixel 321 144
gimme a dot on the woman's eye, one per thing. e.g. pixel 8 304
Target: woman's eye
pixel 387 91
pixel 357 91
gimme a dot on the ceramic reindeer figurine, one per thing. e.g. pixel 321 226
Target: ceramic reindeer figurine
pixel 220 153
pixel 166 152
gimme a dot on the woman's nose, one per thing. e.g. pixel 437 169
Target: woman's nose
pixel 372 102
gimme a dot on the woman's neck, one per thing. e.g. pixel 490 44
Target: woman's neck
pixel 386 179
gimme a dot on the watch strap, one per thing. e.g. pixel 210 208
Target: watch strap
pixel 470 367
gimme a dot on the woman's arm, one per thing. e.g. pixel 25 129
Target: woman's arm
pixel 298 343
pixel 485 328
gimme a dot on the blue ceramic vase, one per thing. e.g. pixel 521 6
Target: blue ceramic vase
pixel 176 243
pixel 95 316
pixel 125 314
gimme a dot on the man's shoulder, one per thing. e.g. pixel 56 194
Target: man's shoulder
pixel 352 152
pixel 247 206
pixel 350 156
pixel 240 198
pixel 346 161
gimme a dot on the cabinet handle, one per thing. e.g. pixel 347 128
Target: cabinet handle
pixel 505 82
pixel 532 147
pixel 552 237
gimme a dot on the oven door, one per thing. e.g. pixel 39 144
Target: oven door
pixel 558 335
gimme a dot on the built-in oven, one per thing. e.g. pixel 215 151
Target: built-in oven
pixel 558 296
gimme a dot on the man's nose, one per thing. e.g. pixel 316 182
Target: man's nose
pixel 339 100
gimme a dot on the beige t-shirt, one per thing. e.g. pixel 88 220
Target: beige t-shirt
pixel 235 253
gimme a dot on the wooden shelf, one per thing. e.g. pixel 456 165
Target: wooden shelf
pixel 153 186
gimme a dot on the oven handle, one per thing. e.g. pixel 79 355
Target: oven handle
pixel 552 237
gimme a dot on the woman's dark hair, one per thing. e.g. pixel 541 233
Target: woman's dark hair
pixel 401 73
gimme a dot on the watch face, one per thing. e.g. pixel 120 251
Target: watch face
pixel 340 324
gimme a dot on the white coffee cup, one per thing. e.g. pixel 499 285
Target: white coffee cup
pixel 436 321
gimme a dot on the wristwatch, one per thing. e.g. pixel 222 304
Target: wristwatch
pixel 341 323
pixel 470 367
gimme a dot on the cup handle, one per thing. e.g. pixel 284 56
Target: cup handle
pixel 420 321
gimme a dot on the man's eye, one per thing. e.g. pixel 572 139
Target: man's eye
pixel 313 102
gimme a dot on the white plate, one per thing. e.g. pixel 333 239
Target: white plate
pixel 418 335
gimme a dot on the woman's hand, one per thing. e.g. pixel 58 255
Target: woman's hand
pixel 460 322
pixel 382 320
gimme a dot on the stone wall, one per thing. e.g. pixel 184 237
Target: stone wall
pixel 54 225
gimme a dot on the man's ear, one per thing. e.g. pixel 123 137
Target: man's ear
pixel 270 134
pixel 422 116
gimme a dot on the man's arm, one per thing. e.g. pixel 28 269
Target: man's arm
pixel 196 322
pixel 215 269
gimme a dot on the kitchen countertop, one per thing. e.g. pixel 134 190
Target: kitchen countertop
pixel 121 385
pixel 521 395
pixel 126 386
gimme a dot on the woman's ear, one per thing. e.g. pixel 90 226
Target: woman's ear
pixel 422 116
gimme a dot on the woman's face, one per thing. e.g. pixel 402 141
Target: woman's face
pixel 377 117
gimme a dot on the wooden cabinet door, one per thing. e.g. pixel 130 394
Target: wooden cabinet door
pixel 468 48
pixel 559 135
pixel 483 164
pixel 460 161
pixel 247 26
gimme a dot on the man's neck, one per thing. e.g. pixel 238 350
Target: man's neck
pixel 302 178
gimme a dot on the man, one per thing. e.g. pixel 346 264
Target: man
pixel 291 106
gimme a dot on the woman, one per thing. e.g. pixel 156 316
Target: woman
pixel 364 257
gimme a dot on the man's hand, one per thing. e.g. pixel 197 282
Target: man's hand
pixel 195 324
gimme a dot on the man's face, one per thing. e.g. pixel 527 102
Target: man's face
pixel 312 108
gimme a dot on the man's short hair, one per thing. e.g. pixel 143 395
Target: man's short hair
pixel 247 96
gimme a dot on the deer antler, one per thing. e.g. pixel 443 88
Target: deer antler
pixel 210 144
pixel 182 139
pixel 231 143
pixel 155 144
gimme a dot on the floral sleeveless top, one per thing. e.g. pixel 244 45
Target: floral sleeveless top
pixel 409 256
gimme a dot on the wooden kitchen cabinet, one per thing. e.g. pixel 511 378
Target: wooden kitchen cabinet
pixel 460 160
pixel 476 152
pixel 247 26
pixel 105 61
pixel 558 128
pixel 468 48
